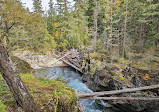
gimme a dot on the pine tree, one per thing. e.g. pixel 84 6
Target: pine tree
pixel 51 11
pixel 151 13
pixel 78 26
pixel 37 6
pixel 51 18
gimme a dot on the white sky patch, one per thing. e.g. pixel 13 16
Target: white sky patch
pixel 45 5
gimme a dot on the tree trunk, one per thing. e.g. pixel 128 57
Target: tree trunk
pixel 125 30
pixel 14 81
pixel 80 95
pixel 95 25
pixel 111 30
pixel 123 98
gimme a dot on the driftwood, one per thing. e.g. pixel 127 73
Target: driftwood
pixel 70 64
pixel 81 95
pixel 73 62
pixel 60 58
pixel 122 98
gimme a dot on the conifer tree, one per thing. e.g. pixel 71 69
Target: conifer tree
pixel 51 11
pixel 77 25
pixel 37 7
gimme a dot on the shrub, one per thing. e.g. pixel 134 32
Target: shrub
pixel 2 107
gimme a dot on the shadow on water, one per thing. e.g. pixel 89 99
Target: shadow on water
pixel 74 80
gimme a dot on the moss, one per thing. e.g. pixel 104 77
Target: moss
pixel 96 56
pixel 2 107
pixel 6 95
pixel 119 78
pixel 140 67
pixel 20 65
pixel 49 95
pixel 48 92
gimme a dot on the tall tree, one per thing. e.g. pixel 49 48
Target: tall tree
pixel 77 30
pixel 51 11
pixel 125 28
pixel 10 19
pixel 51 18
pixel 37 6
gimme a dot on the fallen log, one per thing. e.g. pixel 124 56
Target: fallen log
pixel 73 62
pixel 70 64
pixel 122 98
pixel 61 58
pixel 78 69
pixel 80 95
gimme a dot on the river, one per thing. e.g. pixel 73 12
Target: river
pixel 74 80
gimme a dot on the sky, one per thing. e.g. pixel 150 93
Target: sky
pixel 29 4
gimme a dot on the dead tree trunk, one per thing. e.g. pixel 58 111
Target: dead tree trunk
pixel 14 81
pixel 81 95
pixel 125 30
pixel 122 98
pixel 95 24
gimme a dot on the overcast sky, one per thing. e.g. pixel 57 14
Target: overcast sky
pixel 29 3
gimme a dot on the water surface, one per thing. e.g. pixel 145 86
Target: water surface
pixel 74 80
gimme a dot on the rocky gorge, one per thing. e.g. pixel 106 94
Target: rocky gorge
pixel 109 77
pixel 115 78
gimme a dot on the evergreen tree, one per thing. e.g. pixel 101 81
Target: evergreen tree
pixel 51 11
pixel 37 6
pixel 51 18
pixel 151 19
pixel 78 34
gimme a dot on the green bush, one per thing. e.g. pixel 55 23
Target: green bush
pixel 2 107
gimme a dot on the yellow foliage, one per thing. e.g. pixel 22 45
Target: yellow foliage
pixel 117 2
pixel 118 8
pixel 56 34
pixel 125 12
pixel 146 77
pixel 56 25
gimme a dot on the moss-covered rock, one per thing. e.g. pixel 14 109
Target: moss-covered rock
pixel 21 65
pixel 49 95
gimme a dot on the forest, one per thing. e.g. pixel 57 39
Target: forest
pixel 118 44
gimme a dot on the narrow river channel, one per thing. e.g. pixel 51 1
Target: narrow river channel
pixel 73 80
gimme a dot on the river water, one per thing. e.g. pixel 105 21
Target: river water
pixel 74 80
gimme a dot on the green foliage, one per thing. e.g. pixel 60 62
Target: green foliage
pixel 37 6
pixel 2 107
pixel 22 29
pixel 69 29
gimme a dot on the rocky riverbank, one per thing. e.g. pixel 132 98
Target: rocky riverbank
pixel 37 61
pixel 113 77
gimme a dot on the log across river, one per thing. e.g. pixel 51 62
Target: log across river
pixel 87 97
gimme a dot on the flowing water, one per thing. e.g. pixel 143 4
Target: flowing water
pixel 73 80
